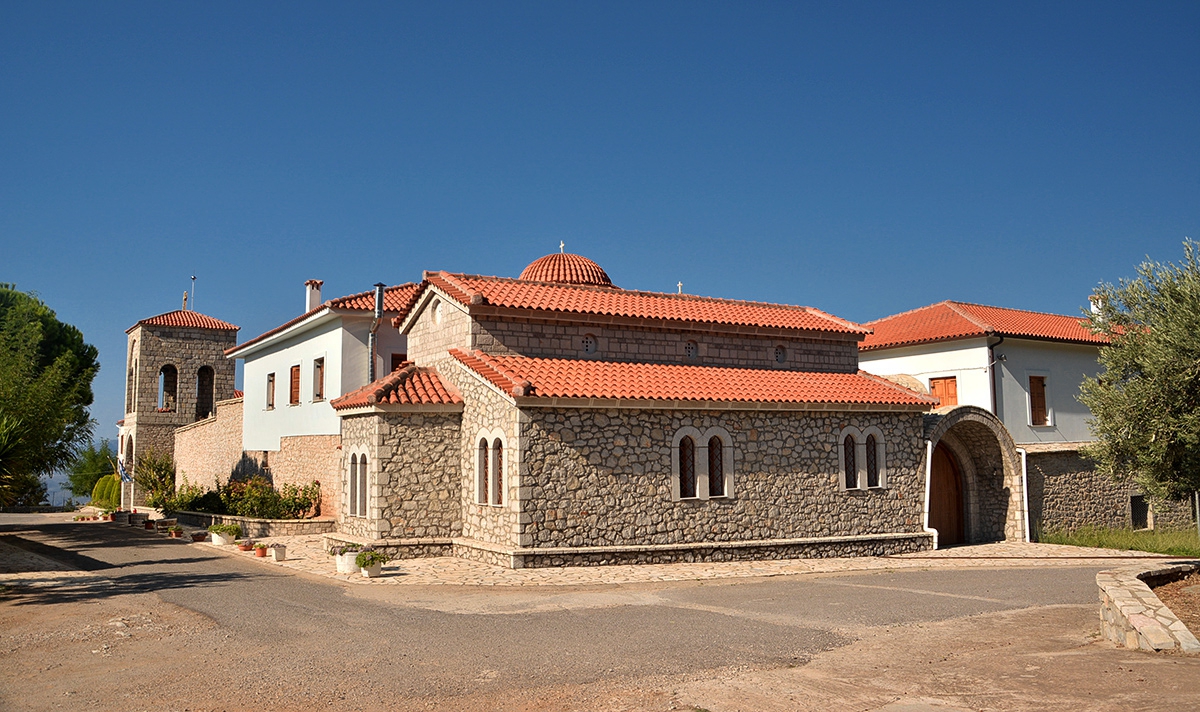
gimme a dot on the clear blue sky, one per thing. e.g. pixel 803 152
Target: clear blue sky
pixel 864 158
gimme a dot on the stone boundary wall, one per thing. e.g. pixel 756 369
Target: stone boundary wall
pixel 1066 492
pixel 209 450
pixel 252 527
pixel 1132 616
pixel 38 509
pixel 395 548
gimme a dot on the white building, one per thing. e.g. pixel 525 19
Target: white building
pixel 1025 367
pixel 293 371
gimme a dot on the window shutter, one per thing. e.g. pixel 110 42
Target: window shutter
pixel 294 393
pixel 1037 400
pixel 945 389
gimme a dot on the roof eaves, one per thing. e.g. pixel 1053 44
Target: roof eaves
pixel 303 321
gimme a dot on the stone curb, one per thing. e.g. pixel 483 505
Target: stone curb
pixel 1132 616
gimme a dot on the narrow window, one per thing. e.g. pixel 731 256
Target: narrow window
pixel 780 354
pixel 204 392
pixel 354 485
pixel 168 388
pixel 270 391
pixel 362 486
pixel 716 467
pixel 691 350
pixel 398 360
pixel 945 390
pixel 1139 512
pixel 687 468
pixel 294 386
pixel 1037 401
pixel 481 477
pixel 319 379
pixel 872 462
pixel 848 457
pixel 589 344
pixel 497 472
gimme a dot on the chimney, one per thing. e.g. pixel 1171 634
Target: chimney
pixel 312 294
pixel 1096 303
pixel 371 339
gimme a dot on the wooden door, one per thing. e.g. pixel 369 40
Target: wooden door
pixel 945 389
pixel 945 498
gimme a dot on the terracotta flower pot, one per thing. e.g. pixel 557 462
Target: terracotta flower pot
pixel 260 552
pixel 199 536
pixel 244 547
pixel 149 524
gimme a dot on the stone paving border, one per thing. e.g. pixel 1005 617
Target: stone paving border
pixel 1132 616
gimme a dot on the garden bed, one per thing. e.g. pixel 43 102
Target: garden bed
pixel 252 527
pixel 1182 596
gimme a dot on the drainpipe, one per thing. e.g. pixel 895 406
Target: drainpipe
pixel 928 479
pixel 1025 489
pixel 992 370
pixel 374 327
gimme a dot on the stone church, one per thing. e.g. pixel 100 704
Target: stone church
pixel 556 418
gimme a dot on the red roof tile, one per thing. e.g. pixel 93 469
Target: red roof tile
pixel 239 394
pixel 562 268
pixel 611 301
pixel 186 319
pixel 523 376
pixel 407 385
pixel 949 320
pixel 398 299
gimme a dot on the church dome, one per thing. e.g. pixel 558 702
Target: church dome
pixel 566 269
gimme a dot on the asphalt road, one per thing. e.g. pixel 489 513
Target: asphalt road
pixel 429 642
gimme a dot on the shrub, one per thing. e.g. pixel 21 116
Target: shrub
pixel 255 497
pixel 232 530
pixel 107 492
pixel 155 475
pixel 344 549
pixel 193 498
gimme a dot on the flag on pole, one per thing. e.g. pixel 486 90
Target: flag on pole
pixel 124 475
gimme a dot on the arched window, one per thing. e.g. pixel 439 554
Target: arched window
pixel 872 462
pixel 204 392
pixel 497 472
pixel 353 508
pixel 589 344
pixel 481 474
pixel 691 350
pixel 362 486
pixel 716 467
pixel 850 462
pixel 780 354
pixel 687 468
pixel 129 454
pixel 168 388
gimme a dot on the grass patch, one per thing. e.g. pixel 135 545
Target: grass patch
pixel 1172 543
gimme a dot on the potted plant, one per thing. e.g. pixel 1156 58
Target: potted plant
pixel 245 545
pixel 260 549
pixel 223 534
pixel 199 536
pixel 371 562
pixel 176 532
pixel 278 552
pixel 344 556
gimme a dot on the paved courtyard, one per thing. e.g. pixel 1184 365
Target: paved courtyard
pixel 97 616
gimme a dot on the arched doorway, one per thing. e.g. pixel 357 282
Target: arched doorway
pixel 946 497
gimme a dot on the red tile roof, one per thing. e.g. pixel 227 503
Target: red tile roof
pixel 562 268
pixel 949 320
pixel 398 299
pixel 186 319
pixel 239 394
pixel 522 376
pixel 407 385
pixel 611 301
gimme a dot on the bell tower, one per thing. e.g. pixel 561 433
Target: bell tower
pixel 175 372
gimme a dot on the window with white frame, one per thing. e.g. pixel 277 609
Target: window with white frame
pixel 356 500
pixel 701 464
pixel 862 457
pixel 1040 414
pixel 352 509
pixel 362 486
pixel 489 469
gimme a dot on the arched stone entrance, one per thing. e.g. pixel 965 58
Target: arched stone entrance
pixel 973 471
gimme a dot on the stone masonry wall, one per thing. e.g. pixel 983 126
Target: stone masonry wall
pixel 428 340
pixel 210 449
pixel 600 478
pixel 304 458
pixel 486 411
pixel 1065 492
pixel 649 344
pixel 413 465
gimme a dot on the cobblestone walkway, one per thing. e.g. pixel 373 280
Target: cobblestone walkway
pixel 305 553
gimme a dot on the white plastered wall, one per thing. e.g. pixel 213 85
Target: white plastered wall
pixel 1064 367
pixel 966 360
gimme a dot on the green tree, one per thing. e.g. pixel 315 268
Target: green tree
pixel 90 465
pixel 1146 402
pixel 46 373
